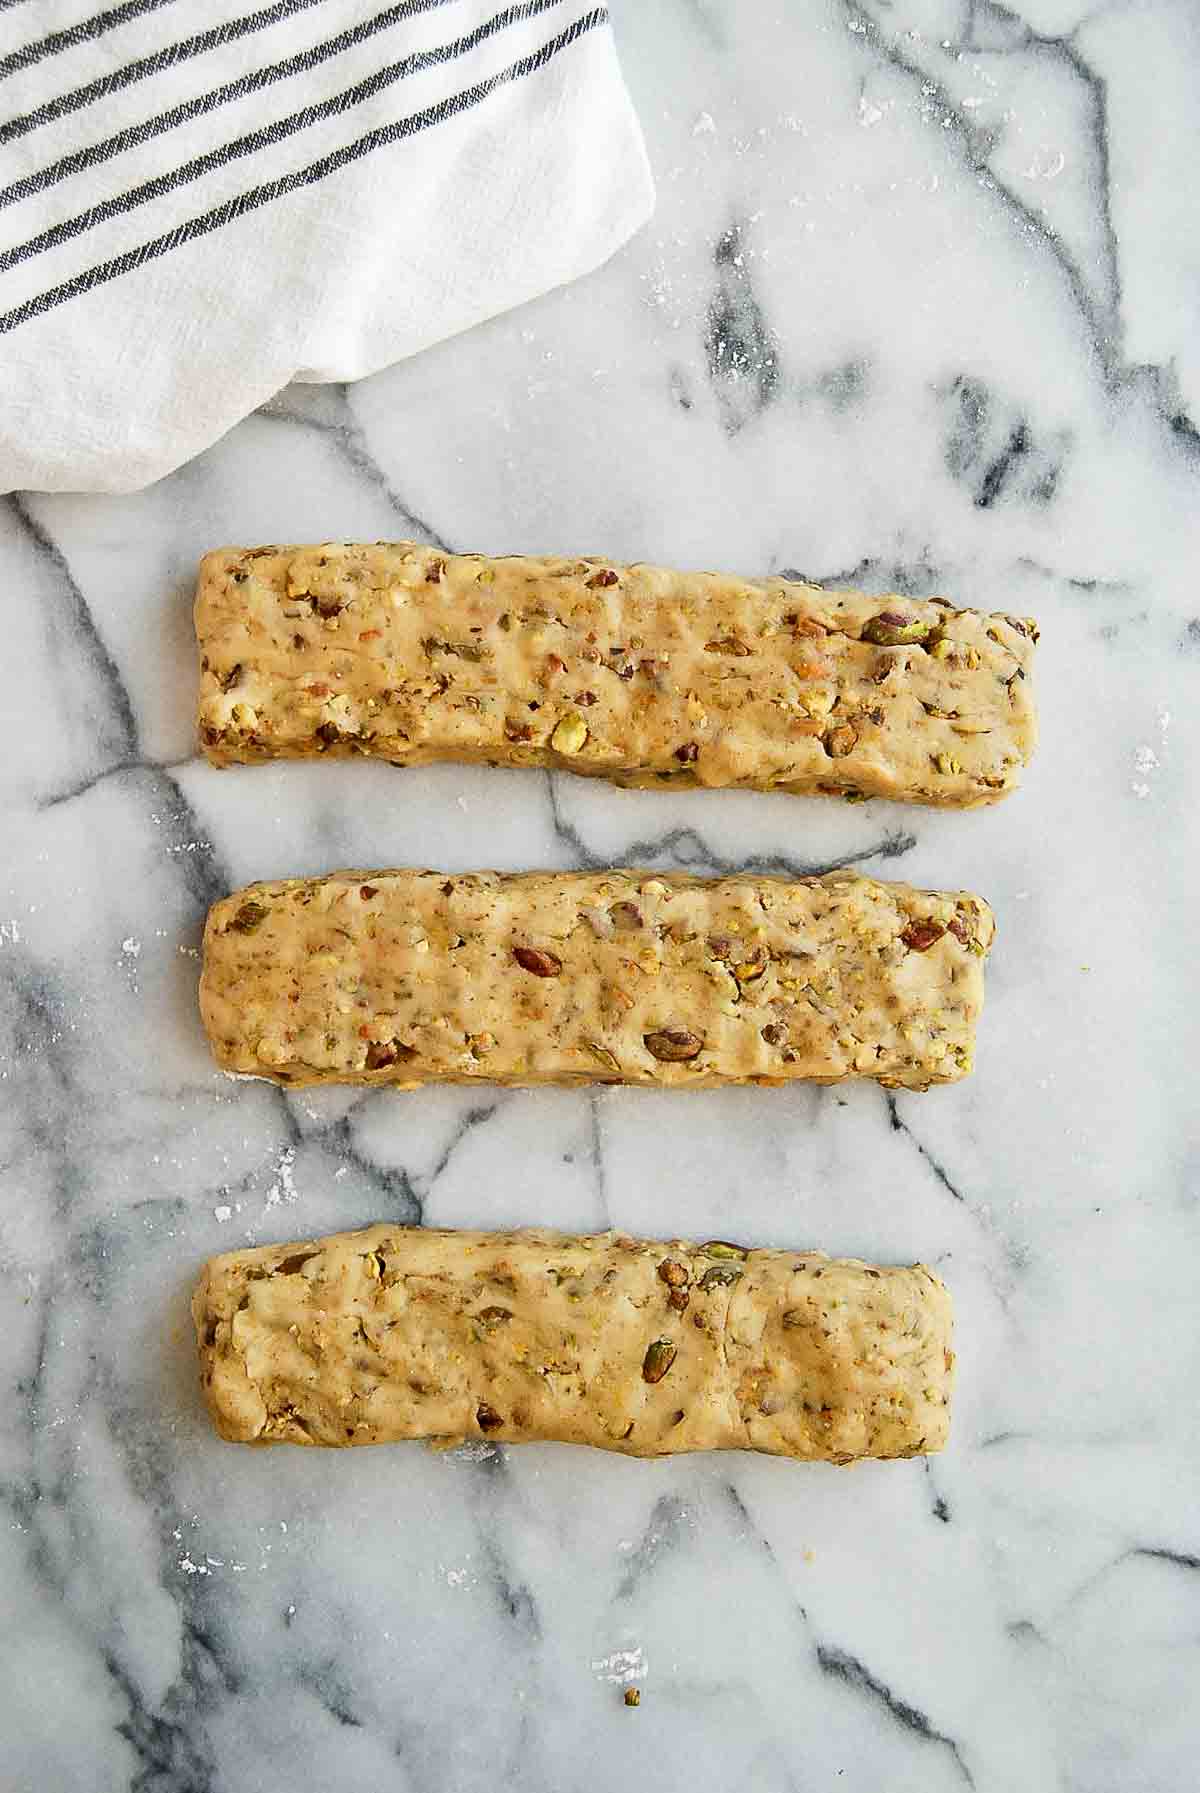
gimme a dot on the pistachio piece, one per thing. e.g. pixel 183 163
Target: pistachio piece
pixel 541 964
pixel 919 936
pixel 841 741
pixel 381 1053
pixel 721 1248
pixel 570 734
pixel 248 917
pixel 487 1417
pixel 719 1276
pixel 673 1273
pixel 633 1696
pixel 603 1056
pixel 892 628
pixel 291 1266
pixel 658 1359
pixel 673 1044
pixel 795 1316
pixel 946 764
pixel 961 931
pixel 491 1317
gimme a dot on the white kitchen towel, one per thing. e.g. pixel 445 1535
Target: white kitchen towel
pixel 200 202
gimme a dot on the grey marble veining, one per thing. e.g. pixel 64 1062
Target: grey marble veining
pixel 918 311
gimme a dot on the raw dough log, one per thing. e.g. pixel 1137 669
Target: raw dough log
pixel 633 1345
pixel 633 673
pixel 412 977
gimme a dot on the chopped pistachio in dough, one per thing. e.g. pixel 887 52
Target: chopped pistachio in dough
pixel 633 1345
pixel 633 673
pixel 413 977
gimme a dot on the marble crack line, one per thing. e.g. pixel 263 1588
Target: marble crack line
pixel 205 874
pixel 741 1513
pixel 1180 1559
pixel 910 579
pixel 1105 588
pixel 841 1666
pixel 1174 1559
pixel 741 353
pixel 900 1126
pixel 1062 49
pixel 165 1737
pixel 1103 324
pixel 350 440
pixel 330 1692
pixel 660 1538
pixel 70 793
pixel 474 1117
pixel 688 848
pixel 394 1186
pixel 940 1507
pixel 84 623
pixel 169 1741
pixel 597 1149
pixel 1012 1255
pixel 514 1598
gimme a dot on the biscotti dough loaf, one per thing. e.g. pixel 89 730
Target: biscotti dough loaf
pixel 634 673
pixel 412 977
pixel 633 1345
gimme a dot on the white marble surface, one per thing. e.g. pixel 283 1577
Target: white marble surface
pixel 919 309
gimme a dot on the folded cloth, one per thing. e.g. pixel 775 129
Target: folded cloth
pixel 200 202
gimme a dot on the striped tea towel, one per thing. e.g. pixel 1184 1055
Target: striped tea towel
pixel 200 202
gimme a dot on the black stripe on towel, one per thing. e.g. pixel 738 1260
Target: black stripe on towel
pixel 278 131
pixel 250 201
pixel 94 153
pixel 82 33
pixel 168 57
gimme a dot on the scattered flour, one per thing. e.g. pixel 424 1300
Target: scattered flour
pixel 621 1665
pixel 473 1451
pixel 283 1189
pixel 1146 760
pixel 1047 165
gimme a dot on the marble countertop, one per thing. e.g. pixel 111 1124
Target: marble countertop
pixel 918 311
